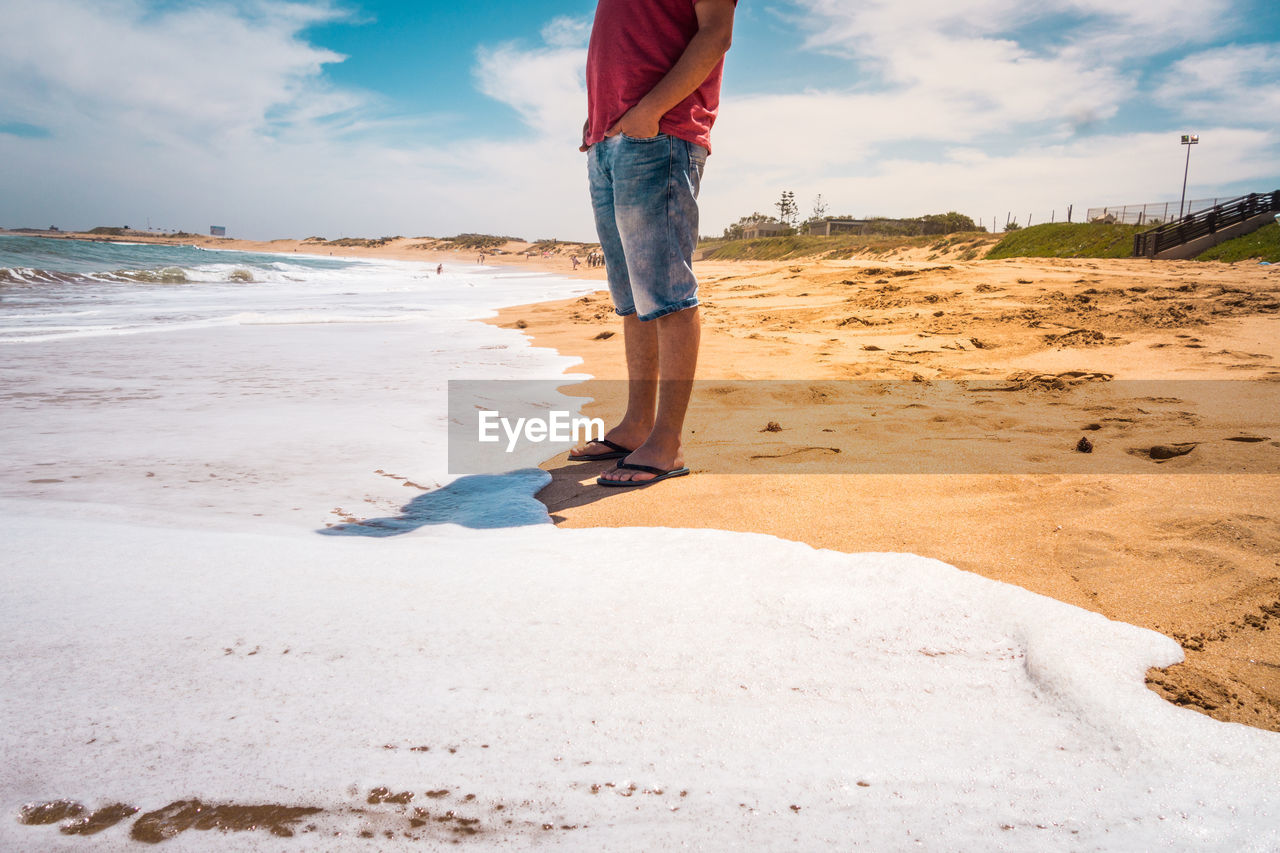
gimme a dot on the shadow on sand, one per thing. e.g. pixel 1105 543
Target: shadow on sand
pixel 573 484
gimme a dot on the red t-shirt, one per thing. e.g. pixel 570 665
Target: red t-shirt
pixel 634 43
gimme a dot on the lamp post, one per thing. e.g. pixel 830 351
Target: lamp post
pixel 1188 139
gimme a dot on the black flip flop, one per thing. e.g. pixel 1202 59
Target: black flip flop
pixel 616 451
pixel 658 474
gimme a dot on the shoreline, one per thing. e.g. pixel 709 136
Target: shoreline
pixel 1187 555
pixel 397 249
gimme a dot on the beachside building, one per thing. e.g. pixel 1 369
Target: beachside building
pixel 831 227
pixel 763 229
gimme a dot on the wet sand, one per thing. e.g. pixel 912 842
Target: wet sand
pixel 1188 546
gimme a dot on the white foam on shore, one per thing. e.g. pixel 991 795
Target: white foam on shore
pixel 652 688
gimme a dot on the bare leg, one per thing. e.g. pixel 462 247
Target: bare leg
pixel 677 338
pixel 641 341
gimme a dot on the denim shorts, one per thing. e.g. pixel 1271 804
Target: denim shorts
pixel 645 196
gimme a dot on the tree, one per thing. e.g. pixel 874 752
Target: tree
pixel 819 208
pixel 788 212
pixel 946 223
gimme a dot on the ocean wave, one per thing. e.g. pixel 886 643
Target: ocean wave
pixel 158 275
pixel 26 275
pixel 29 275
pixel 164 275
pixel 250 270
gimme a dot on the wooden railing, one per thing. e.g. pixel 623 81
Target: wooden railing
pixel 1149 244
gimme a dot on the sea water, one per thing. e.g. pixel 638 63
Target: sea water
pixel 165 381
pixel 183 432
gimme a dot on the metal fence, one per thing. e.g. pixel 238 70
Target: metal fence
pixel 1148 244
pixel 1157 213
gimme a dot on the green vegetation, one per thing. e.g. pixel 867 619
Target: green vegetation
pixel 839 247
pixel 109 231
pixel 1067 240
pixel 480 241
pixel 916 226
pixel 360 242
pixel 1261 245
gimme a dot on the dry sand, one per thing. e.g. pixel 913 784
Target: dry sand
pixel 1189 547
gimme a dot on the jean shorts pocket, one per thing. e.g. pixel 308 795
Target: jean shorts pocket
pixel 643 139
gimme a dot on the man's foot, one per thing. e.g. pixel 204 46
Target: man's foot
pixel 615 445
pixel 591 451
pixel 651 475
pixel 647 463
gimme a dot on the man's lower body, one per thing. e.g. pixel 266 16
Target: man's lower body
pixel 645 196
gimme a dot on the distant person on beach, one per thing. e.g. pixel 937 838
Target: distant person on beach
pixel 439 269
pixel 653 90
pixel 573 259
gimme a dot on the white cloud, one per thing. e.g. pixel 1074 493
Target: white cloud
pixel 967 54
pixel 997 102
pixel 880 28
pixel 1239 83
pixel 566 31
pixel 192 73
pixel 1037 179
pixel 544 84
pixel 220 112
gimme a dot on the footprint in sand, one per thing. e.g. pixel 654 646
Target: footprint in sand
pixel 804 452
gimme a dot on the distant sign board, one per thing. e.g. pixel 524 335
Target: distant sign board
pixel 217 230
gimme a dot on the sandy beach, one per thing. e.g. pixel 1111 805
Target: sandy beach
pixel 1188 546
pixel 1191 554
pixel 294 617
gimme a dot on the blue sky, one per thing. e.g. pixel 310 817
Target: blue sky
pixel 341 118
